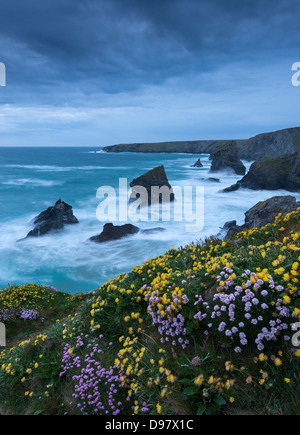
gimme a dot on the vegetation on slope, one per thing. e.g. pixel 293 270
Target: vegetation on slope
pixel 204 329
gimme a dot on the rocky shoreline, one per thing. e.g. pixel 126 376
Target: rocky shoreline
pixel 270 174
pixel 281 172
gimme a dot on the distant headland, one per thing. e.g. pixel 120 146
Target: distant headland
pixel 260 147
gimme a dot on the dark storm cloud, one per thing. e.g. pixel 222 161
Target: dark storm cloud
pixel 146 70
pixel 121 44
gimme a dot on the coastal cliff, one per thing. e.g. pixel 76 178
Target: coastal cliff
pixel 188 147
pixel 262 146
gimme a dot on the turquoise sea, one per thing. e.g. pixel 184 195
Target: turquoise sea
pixel 32 179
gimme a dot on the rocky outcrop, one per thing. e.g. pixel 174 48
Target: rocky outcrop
pixel 113 232
pixel 155 178
pixel 53 219
pixel 198 164
pixel 272 174
pixel 227 157
pixel 262 214
pixel 270 145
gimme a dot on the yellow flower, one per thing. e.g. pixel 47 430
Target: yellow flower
pixel 277 362
pixel 158 408
pixel 287 380
pixel 231 399
pixel 280 271
pixel 211 380
pixel 262 357
pixel 199 380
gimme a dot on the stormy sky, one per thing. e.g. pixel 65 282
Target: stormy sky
pixel 102 72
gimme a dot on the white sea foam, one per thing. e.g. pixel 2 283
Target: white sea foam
pixel 69 261
pixel 30 182
pixel 52 168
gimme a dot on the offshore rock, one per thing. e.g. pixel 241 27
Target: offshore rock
pixel 114 232
pixel 155 178
pixel 53 219
pixel 198 164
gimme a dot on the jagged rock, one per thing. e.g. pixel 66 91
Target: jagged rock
pixel 227 157
pixel 114 232
pixel 198 164
pixel 261 214
pixel 272 174
pixel 155 178
pixel 53 219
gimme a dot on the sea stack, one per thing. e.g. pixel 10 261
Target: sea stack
pixel 53 219
pixel 155 183
pixel 227 157
pixel 198 164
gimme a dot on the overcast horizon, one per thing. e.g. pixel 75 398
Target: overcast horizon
pixel 96 72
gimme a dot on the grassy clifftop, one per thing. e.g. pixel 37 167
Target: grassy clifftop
pixel 203 329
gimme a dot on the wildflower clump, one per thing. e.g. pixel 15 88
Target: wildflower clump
pixel 203 329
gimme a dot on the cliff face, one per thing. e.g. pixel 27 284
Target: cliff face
pixel 269 145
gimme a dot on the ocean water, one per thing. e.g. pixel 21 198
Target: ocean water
pixel 32 179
